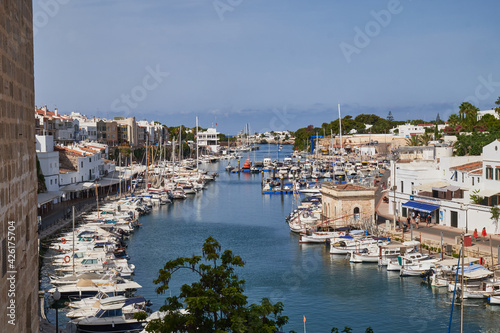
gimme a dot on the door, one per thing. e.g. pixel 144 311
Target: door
pixel 454 219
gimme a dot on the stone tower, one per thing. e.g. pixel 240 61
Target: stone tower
pixel 18 179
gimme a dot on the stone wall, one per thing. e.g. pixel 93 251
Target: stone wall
pixel 18 180
pixel 345 200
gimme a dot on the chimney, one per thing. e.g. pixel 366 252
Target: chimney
pixel 55 111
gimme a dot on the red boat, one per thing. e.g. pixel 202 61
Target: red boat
pixel 247 165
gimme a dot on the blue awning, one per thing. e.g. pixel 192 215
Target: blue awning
pixel 420 206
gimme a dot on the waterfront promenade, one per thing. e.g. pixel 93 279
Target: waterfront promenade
pixel 432 234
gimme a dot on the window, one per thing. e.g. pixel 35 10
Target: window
pixel 489 172
pixel 402 188
pixel 81 164
pixel 412 192
pixel 472 181
pixel 356 213
pixel 497 173
pixel 463 176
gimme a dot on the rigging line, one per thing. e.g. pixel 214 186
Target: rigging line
pixel 455 290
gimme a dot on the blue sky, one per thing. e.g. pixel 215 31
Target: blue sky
pixel 276 64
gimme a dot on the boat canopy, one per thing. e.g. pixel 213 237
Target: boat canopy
pixel 420 206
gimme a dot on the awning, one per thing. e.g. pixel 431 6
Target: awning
pixel 107 182
pixel 78 187
pixel 420 206
pixel 43 198
pixel 488 192
pixel 451 188
pixel 428 187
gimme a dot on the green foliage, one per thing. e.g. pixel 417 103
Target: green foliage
pixel 413 140
pixel 139 154
pixel 495 215
pixel 41 178
pixel 425 139
pixel 346 329
pixel 475 197
pixel 473 144
pixel 390 118
pixel 216 302
pixel 140 316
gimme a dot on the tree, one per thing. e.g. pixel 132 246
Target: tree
pixel 495 215
pixel 413 140
pixel 425 139
pixel 390 118
pixel 216 302
pixel 497 109
pixel 453 120
pixel 438 119
pixel 475 197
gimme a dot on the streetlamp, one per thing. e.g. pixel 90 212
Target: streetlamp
pixel 57 296
pixel 395 159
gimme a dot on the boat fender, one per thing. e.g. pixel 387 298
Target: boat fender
pixel 63 240
pixel 481 261
pixel 67 259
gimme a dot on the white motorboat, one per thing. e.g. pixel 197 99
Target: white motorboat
pixel 85 288
pixel 349 244
pixel 319 236
pixel 128 306
pixel 376 254
pixel 107 319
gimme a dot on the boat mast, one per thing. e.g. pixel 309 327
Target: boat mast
pixel 147 163
pixel 73 241
pixel 197 142
pixel 340 131
pixel 462 279
pixel 180 144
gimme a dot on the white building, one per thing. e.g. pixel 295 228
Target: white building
pixel 408 130
pixel 442 188
pixel 49 161
pixel 88 130
pixel 481 114
pixel 209 139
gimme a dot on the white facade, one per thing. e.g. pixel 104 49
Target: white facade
pixel 49 161
pixel 88 130
pixel 458 177
pixel 481 114
pixel 209 139
pixel 491 165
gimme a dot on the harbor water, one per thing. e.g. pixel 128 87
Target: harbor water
pixel 327 290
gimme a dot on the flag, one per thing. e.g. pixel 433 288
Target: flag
pixel 304 319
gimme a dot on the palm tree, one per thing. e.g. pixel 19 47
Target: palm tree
pixel 453 120
pixel 413 140
pixel 424 139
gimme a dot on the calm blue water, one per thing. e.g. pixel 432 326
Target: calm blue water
pixel 327 290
